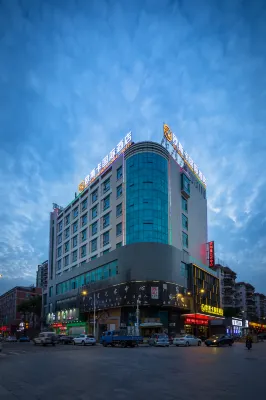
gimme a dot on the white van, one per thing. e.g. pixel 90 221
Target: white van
pixel 45 338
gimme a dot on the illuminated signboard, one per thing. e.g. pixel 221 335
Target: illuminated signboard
pixel 177 146
pixel 211 310
pixel 193 321
pixel 107 161
pixel 237 322
pixel 256 325
pixel 211 255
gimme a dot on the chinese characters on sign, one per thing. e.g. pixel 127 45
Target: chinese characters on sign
pixel 211 255
pixel 107 161
pixel 212 310
pixel 237 322
pixel 196 321
pixel 177 146
pixel 154 293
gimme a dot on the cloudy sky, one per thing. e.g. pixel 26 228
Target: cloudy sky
pixel 76 75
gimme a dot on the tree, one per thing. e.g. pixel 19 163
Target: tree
pixel 31 307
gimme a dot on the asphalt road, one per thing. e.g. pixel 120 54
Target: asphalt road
pixel 97 373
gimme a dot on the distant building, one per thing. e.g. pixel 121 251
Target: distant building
pixel 227 288
pixel 42 275
pixel 10 318
pixel 245 300
pixel 260 303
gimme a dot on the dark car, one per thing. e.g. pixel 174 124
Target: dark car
pixel 24 339
pixel 219 340
pixel 66 340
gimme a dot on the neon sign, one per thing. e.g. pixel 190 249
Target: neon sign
pixel 211 255
pixel 195 321
pixel 107 161
pixel 177 146
pixel 211 310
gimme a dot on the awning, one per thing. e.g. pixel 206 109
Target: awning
pixel 150 325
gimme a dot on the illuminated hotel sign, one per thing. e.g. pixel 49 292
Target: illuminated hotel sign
pixel 211 310
pixel 107 161
pixel 237 322
pixel 177 146
pixel 211 254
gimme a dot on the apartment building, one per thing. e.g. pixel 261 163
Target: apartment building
pixel 42 275
pixel 227 288
pixel 245 300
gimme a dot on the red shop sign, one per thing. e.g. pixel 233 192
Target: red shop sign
pixel 193 321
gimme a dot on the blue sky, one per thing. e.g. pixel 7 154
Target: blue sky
pixel 75 76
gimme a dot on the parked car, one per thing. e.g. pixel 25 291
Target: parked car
pixel 262 337
pixel 45 338
pixel 162 341
pixel 155 337
pixel 84 340
pixel 66 339
pixel 24 339
pixel 11 339
pixel 219 340
pixel 187 340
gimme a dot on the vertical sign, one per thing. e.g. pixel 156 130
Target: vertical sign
pixel 211 255
pixel 154 293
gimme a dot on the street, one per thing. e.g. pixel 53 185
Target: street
pixel 75 372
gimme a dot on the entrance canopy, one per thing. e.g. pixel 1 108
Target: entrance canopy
pixel 201 317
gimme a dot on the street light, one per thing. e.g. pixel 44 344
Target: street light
pixel 84 292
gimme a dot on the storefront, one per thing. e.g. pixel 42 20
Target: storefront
pixel 234 327
pixel 200 324
pixel 256 328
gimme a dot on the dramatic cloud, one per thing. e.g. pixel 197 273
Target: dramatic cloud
pixel 75 76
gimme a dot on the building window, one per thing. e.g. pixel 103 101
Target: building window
pixel 185 184
pixel 84 205
pixel 75 226
pixel 50 291
pixel 60 226
pixel 106 203
pixel 84 219
pixel 67 221
pixel 75 212
pixel 94 228
pixel 67 232
pixel 93 257
pixel 184 204
pixel 184 222
pixel 84 235
pixel 106 238
pixel 118 245
pixel 106 185
pixel 74 256
pixel 83 251
pixel 119 173
pixel 185 239
pixel 119 210
pixel 106 220
pixel 119 191
pixel 94 245
pixel 119 229
pixel 59 251
pixel 75 241
pixel 94 212
pixel 94 196
pixel 66 261
pixel 59 238
pixel 67 246
pixel 59 264
pixel 106 251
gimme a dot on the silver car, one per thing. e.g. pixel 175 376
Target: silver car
pixel 158 339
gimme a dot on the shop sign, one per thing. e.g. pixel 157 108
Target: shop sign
pixel 57 325
pixel 107 161
pixel 155 293
pixel 211 310
pixel 257 326
pixel 246 323
pixel 172 324
pixel 177 146
pixel 236 322
pixel 196 321
pixel 211 254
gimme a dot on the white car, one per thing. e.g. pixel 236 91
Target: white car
pixel 84 340
pixel 45 338
pixel 187 340
pixel 11 339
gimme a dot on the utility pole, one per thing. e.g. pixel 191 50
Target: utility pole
pixel 94 315
pixel 137 315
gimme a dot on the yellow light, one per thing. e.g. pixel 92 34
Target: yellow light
pixel 84 292
pixel 202 290
pixel 179 295
pixel 214 341
pixel 189 293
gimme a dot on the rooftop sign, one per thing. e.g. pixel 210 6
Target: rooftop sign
pixel 107 161
pixel 177 146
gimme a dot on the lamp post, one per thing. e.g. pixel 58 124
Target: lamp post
pixel 137 315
